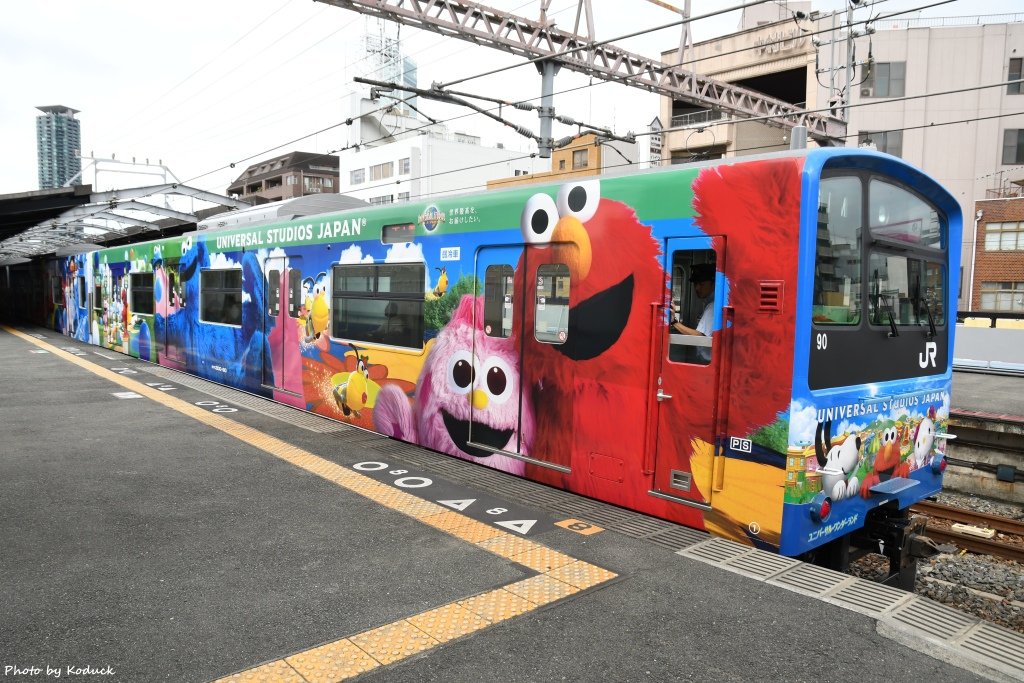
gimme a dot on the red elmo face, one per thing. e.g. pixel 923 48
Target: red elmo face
pixel 594 377
pixel 612 265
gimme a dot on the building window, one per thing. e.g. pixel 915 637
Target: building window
pixel 579 158
pixel 220 296
pixel 381 171
pixel 379 303
pixel 403 166
pixel 383 199
pixel 561 164
pixel 888 141
pixel 141 292
pixel 1002 296
pixel 403 196
pixel 886 79
pixel 357 176
pixel 328 182
pixel 1004 236
pixel 1014 74
pixel 1013 146
pixel 292 180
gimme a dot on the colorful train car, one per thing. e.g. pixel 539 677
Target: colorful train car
pixel 533 330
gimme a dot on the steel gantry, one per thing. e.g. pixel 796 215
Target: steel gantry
pixel 541 41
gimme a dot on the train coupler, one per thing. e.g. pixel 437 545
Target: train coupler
pixel 901 539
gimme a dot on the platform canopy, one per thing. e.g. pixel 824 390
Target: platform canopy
pixel 70 219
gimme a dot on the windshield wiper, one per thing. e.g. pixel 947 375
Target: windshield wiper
pixel 931 320
pixel 893 332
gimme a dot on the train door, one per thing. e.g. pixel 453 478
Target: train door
pixel 546 322
pixel 284 299
pixel 171 301
pixel 687 383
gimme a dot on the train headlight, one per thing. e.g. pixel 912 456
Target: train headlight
pixel 821 507
pixel 938 463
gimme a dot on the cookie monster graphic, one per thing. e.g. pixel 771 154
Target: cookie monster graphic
pixel 238 355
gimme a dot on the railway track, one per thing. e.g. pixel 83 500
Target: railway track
pixel 1010 547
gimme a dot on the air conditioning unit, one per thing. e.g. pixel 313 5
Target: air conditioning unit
pixel 867 91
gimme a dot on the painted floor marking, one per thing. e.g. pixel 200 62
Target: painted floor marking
pixel 126 394
pixel 559 575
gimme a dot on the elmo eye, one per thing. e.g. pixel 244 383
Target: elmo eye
pixel 539 219
pixel 579 199
pixel 461 373
pixel 499 379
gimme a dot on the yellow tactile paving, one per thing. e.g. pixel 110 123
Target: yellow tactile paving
pixel 272 672
pixel 475 532
pixel 498 605
pixel 446 521
pixel 448 622
pixel 352 656
pixel 393 642
pixel 332 662
pixel 542 559
pixel 508 546
pixel 581 574
pixel 541 589
pixel 417 507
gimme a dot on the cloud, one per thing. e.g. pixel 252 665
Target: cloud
pixel 405 252
pixel 220 261
pixel 354 254
pixel 803 420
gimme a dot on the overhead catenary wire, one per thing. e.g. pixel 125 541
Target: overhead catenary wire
pixel 591 85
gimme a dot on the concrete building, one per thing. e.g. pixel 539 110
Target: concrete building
pixel 59 143
pixel 969 140
pixel 586 155
pixel 290 175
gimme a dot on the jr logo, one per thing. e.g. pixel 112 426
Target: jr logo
pixel 928 357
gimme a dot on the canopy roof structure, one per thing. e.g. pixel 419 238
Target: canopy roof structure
pixel 70 219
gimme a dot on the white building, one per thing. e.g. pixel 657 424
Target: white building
pixel 971 141
pixel 401 158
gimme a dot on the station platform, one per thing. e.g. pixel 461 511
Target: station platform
pixel 159 527
pixel 978 393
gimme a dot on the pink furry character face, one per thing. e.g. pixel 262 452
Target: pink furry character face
pixel 472 394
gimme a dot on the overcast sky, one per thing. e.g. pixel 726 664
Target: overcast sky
pixel 199 85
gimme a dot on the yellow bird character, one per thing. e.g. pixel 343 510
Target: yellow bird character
pixel 355 390
pixel 442 283
pixel 317 311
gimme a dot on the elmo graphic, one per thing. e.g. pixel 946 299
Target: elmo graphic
pixel 588 391
pixel 757 205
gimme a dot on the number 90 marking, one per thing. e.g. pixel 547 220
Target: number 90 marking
pixel 822 341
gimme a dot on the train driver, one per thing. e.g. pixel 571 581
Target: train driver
pixel 702 277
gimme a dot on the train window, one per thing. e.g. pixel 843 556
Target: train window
pixel 273 293
pixel 379 303
pixel 551 314
pixel 837 268
pixel 295 293
pixel 97 299
pixel 691 317
pixel 83 295
pixel 56 291
pixel 498 300
pixel 141 291
pixel 910 290
pixel 894 213
pixel 220 296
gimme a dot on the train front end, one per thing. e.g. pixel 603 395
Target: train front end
pixel 879 258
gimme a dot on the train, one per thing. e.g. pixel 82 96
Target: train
pixel 533 330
